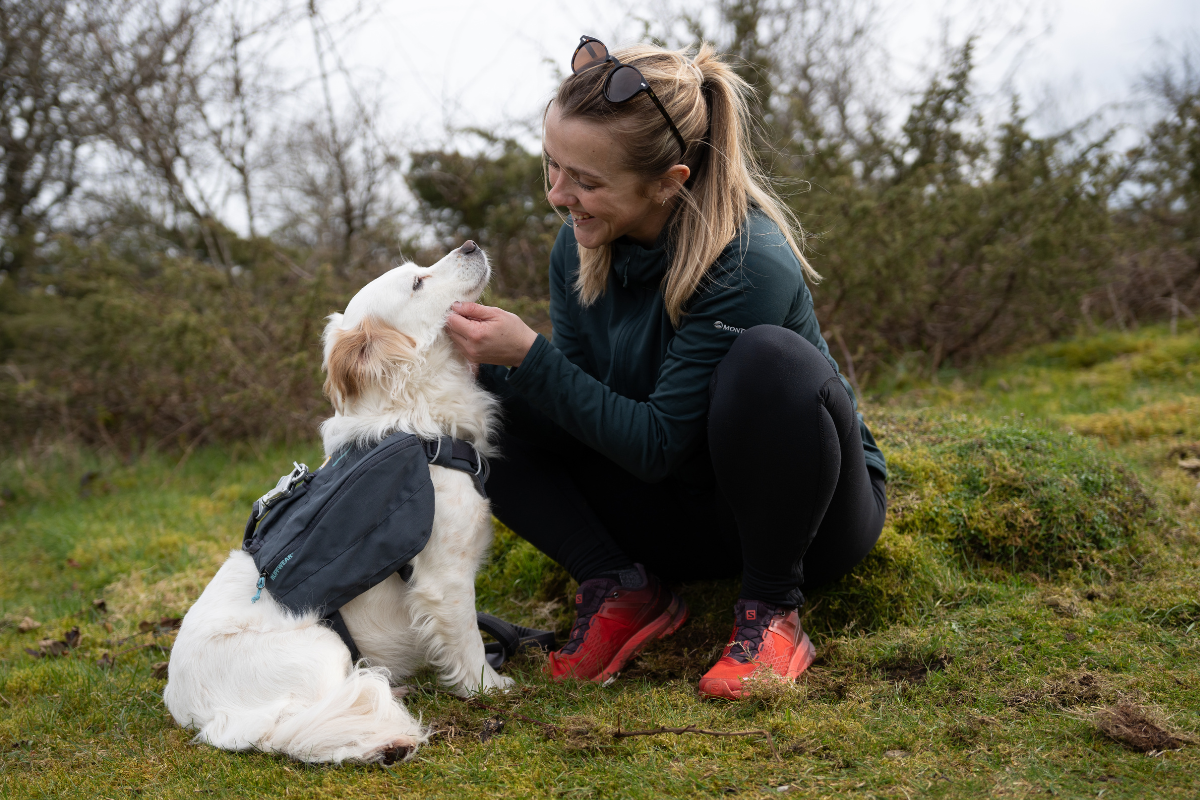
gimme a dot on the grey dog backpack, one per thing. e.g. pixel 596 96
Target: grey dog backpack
pixel 320 539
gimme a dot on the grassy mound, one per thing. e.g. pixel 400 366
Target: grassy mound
pixel 971 499
pixel 1016 497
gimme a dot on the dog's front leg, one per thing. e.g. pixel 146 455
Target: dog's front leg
pixel 444 611
pixel 442 593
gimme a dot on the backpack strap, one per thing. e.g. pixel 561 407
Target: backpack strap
pixel 457 454
pixel 509 637
pixel 339 627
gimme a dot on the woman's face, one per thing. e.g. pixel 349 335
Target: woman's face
pixel 606 201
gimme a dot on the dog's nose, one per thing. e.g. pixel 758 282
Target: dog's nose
pixel 468 247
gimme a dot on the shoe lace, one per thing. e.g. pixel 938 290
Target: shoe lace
pixel 751 628
pixel 589 599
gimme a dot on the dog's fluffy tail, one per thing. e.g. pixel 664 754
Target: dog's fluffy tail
pixel 359 720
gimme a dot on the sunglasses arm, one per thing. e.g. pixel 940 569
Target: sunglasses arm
pixel 678 136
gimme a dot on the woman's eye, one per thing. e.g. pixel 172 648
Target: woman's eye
pixel 584 186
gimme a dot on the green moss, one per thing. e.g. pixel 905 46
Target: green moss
pixel 1022 498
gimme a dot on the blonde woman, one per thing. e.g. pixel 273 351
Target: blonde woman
pixel 687 421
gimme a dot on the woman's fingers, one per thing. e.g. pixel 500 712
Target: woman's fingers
pixel 475 311
pixel 488 335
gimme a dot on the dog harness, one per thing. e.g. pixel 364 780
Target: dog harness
pixel 320 539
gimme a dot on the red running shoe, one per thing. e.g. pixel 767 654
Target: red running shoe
pixel 764 637
pixel 612 625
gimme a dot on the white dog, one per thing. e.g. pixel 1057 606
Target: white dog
pixel 254 676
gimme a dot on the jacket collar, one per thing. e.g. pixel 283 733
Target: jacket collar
pixel 640 266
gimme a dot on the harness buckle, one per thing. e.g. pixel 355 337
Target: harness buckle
pixel 283 489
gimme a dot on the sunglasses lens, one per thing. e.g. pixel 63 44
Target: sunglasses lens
pixel 623 83
pixel 588 55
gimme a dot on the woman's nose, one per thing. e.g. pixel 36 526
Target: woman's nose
pixel 558 194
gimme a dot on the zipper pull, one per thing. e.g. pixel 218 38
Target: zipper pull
pixel 262 581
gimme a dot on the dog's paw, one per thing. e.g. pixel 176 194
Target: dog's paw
pixel 397 752
pixel 491 682
pixel 496 683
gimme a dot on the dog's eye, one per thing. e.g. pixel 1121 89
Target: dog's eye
pixel 417 281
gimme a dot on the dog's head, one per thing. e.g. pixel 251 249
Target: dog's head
pixel 394 319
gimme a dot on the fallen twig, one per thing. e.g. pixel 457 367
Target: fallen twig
pixel 7 702
pixel 620 734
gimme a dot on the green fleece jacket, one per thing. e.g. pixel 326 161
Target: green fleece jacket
pixel 622 380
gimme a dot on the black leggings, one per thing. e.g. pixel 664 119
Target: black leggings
pixel 787 498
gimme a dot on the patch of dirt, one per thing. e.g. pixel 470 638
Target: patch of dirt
pixel 913 671
pixel 821 682
pixel 972 730
pixel 1065 604
pixel 1187 458
pixel 1081 688
pixel 1136 728
pixel 685 655
pixel 455 724
pixel 490 728
pixel 582 733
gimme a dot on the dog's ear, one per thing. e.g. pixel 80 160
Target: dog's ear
pixel 359 357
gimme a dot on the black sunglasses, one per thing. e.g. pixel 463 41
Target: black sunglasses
pixel 624 83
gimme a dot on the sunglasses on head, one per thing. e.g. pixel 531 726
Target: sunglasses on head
pixel 624 83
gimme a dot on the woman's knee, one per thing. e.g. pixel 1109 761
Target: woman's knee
pixel 769 363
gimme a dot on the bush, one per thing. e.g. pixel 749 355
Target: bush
pixel 160 350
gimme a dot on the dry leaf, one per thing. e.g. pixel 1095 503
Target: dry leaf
pixel 28 624
pixel 72 637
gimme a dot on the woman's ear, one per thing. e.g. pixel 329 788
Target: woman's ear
pixel 671 182
pixel 360 357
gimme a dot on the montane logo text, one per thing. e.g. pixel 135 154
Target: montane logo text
pixel 730 328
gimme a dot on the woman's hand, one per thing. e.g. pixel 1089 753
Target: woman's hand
pixel 488 335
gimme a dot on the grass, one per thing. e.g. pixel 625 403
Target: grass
pixel 1038 574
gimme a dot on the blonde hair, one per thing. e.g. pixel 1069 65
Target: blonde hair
pixel 709 103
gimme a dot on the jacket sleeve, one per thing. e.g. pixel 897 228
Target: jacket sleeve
pixel 652 439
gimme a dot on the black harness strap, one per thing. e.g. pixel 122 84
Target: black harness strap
pixel 460 455
pixel 339 627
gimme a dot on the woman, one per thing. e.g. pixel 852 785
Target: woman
pixel 687 421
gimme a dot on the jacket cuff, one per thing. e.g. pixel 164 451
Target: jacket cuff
pixel 520 376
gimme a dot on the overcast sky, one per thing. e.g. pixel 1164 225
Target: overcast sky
pixel 456 63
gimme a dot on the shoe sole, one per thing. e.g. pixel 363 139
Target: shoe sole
pixel 663 626
pixel 801 660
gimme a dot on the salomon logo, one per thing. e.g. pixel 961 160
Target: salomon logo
pixel 281 565
pixel 722 326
